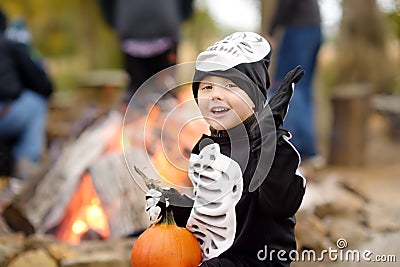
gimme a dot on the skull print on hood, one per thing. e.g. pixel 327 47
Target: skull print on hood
pixel 242 57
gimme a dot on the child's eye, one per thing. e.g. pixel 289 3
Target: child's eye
pixel 206 87
pixel 231 85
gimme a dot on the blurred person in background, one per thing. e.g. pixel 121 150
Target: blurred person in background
pixel 24 92
pixel 299 44
pixel 149 34
pixel 18 32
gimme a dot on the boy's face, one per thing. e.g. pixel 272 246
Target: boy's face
pixel 222 103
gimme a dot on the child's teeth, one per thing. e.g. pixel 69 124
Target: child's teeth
pixel 219 109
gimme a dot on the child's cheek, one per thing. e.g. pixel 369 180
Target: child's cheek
pixel 203 106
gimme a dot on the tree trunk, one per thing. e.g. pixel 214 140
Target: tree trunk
pixel 361 49
pixel 349 132
pixel 267 7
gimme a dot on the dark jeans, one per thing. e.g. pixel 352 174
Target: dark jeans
pixel 25 122
pixel 300 46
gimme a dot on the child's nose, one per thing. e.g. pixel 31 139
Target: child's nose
pixel 217 92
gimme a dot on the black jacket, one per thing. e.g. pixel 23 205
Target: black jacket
pixel 265 217
pixel 144 19
pixel 295 12
pixel 18 72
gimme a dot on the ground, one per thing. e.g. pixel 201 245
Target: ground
pixel 378 181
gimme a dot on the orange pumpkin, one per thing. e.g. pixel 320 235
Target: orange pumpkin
pixel 166 245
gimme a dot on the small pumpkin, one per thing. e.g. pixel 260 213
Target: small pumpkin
pixel 166 245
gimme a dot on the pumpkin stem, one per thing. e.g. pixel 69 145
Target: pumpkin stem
pixel 168 219
pixel 150 183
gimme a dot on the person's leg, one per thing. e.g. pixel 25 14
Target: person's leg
pixel 141 70
pixel 165 80
pixel 135 67
pixel 26 120
pixel 300 46
pixel 299 122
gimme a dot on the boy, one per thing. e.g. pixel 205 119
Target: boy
pixel 246 185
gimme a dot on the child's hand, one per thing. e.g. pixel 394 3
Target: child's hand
pixel 279 102
pixel 157 201
pixel 153 210
pixel 278 107
pixel 218 185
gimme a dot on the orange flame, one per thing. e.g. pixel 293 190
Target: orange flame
pixel 84 212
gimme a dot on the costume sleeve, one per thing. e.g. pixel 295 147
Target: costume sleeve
pixel 182 213
pixel 282 191
pixel 181 205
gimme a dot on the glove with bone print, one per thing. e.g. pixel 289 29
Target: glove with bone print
pixel 218 185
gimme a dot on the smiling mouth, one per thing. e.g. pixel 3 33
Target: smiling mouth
pixel 219 110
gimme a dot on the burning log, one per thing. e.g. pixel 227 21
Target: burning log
pixel 122 197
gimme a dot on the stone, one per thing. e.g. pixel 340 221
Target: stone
pixel 347 228
pixel 39 241
pixel 345 202
pixel 325 191
pixel 4 228
pixel 381 218
pixel 62 251
pixel 37 257
pixel 311 233
pixel 100 259
pixel 10 246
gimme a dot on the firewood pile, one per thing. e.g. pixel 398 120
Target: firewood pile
pixel 98 152
pixel 17 250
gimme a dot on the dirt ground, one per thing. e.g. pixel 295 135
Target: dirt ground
pixel 379 181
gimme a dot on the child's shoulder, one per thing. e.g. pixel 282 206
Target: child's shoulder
pixel 202 142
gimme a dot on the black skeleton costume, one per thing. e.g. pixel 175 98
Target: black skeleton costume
pixel 246 185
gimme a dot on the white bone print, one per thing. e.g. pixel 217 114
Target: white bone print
pixel 218 186
pixel 237 48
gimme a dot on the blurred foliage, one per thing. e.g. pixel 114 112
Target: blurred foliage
pixel 200 30
pixel 62 28
pixel 394 19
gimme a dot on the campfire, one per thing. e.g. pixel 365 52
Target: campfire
pixel 89 193
pixel 84 215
